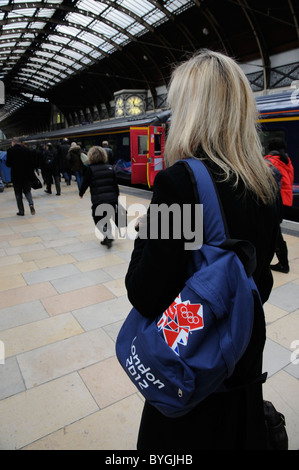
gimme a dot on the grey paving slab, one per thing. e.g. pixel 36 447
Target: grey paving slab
pixel 90 253
pixel 276 357
pixel 286 297
pixel 61 358
pixel 17 315
pixel 77 281
pixel 49 274
pixel 11 381
pixel 103 314
pixel 78 247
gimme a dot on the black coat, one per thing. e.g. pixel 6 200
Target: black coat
pixel 19 159
pixel 101 180
pixel 50 162
pixel 157 273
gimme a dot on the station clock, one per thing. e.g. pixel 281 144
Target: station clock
pixel 119 107
pixel 134 106
pixel 129 102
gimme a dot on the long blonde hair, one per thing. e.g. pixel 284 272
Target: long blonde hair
pixel 213 107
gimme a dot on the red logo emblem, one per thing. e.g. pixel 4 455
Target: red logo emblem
pixel 180 319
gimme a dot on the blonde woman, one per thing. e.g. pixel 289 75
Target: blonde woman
pixel 213 119
pixel 101 180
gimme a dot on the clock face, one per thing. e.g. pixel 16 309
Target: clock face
pixel 119 107
pixel 134 105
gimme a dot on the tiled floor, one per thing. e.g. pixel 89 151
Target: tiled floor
pixel 62 301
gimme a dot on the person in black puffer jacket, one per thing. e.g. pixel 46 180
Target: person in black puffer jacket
pixel 101 180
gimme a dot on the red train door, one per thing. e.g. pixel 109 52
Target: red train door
pixel 147 153
pixel 156 143
pixel 139 154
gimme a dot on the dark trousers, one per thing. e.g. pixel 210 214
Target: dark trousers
pixel 49 182
pixel 20 189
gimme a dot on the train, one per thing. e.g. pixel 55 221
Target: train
pixel 138 142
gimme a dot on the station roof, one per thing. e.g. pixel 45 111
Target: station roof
pixel 77 53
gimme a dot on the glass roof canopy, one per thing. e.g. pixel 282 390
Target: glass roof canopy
pixel 45 42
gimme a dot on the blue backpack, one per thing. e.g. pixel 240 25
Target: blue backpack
pixel 187 353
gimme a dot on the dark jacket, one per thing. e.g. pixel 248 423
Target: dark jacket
pixel 74 158
pixel 50 163
pixel 63 150
pixel 101 180
pixel 110 156
pixel 157 273
pixel 19 159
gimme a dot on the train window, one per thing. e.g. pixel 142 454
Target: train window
pixel 142 144
pixel 267 136
pixel 126 141
pixel 157 144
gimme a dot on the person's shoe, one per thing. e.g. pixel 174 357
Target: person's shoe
pixel 279 267
pixel 49 192
pixel 20 213
pixel 32 210
pixel 107 242
pixel 58 194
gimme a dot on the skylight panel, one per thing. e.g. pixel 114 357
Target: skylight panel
pixel 69 30
pixel 45 12
pixel 78 19
pixel 59 39
pixel 44 54
pixel 73 54
pixel 21 13
pixel 139 8
pixel 64 60
pixel 15 25
pixel 39 60
pixel 36 25
pixel 86 60
pixel 175 6
pixel 91 38
pixel 104 29
pixel 155 17
pixel 90 5
pixel 52 47
pixel 136 29
pixel 81 47
pixel 119 18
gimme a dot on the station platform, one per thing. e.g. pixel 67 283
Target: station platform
pixel 62 302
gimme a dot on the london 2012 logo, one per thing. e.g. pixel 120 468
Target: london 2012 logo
pixel 178 321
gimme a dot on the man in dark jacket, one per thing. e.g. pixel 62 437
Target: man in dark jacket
pixel 109 152
pixel 20 161
pixel 64 164
pixel 51 169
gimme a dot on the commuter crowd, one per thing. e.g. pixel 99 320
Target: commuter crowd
pixel 92 169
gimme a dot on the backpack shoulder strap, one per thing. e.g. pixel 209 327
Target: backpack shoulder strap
pixel 215 227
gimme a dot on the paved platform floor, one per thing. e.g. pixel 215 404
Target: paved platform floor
pixel 62 302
